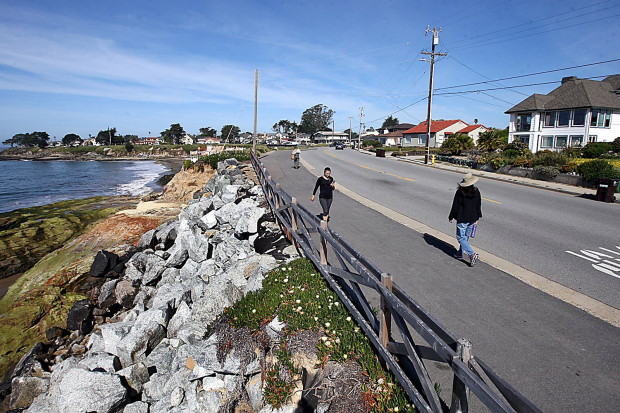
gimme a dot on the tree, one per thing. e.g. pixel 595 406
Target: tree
pixel 208 131
pixel 389 122
pixel 315 119
pixel 354 135
pixel 284 125
pixel 17 140
pixel 174 134
pixel 130 139
pixel 71 139
pixel 106 137
pixel 490 140
pixel 33 139
pixel 616 145
pixel 230 133
pixel 457 143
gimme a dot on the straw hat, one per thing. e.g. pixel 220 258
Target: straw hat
pixel 468 180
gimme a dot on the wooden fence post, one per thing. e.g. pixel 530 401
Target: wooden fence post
pixel 460 392
pixel 277 196
pixel 293 215
pixel 323 244
pixel 385 315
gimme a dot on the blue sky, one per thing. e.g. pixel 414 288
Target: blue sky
pixel 139 66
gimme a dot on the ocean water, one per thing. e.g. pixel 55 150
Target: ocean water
pixel 33 183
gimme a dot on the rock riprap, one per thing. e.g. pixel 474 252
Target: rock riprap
pixel 149 348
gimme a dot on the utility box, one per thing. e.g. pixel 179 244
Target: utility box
pixel 380 153
pixel 606 189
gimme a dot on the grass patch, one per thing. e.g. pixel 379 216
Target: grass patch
pixel 299 296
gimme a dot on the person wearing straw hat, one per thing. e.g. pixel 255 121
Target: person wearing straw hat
pixel 466 210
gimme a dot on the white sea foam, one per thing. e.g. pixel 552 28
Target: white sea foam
pixel 145 173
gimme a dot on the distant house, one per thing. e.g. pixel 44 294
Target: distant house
pixel 575 113
pixel 392 136
pixel 90 142
pixel 473 131
pixel 440 129
pixel 330 137
pixel 208 140
pixel 187 140
pixel 151 140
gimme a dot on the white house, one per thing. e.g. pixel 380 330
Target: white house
pixel 208 140
pixel 577 112
pixel 330 137
pixel 473 131
pixel 416 136
pixel 187 140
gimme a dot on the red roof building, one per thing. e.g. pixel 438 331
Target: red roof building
pixel 416 136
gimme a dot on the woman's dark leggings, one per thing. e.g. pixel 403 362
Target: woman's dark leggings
pixel 325 204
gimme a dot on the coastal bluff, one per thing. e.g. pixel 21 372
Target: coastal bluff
pixel 138 339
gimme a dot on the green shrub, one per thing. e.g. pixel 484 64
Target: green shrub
pixel 570 166
pixel 522 162
pixel 213 159
pixel 616 145
pixel 549 158
pixel 595 149
pixel 497 163
pixel 596 169
pixel 547 171
pixel 129 146
pixel 187 164
pixel 457 143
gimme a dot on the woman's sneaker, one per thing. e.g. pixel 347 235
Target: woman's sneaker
pixel 473 259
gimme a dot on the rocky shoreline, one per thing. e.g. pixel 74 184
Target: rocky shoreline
pixel 139 342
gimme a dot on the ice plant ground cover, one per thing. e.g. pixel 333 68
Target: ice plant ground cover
pixel 299 296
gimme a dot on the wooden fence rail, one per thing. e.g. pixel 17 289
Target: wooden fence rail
pixel 352 272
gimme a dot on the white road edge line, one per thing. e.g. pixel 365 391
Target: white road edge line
pixel 588 304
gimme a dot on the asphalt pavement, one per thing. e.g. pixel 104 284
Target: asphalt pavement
pixel 559 356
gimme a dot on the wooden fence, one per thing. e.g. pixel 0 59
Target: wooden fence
pixel 350 273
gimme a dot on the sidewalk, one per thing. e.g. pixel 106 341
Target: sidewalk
pixel 519 180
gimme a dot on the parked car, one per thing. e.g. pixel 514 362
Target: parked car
pixel 339 146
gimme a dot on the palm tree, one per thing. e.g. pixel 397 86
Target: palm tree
pixel 490 141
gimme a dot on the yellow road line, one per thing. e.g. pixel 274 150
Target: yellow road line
pixel 490 200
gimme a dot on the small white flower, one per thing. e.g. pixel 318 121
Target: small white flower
pixel 253 311
pixel 317 296
pixel 324 338
pixel 348 318
pixel 327 325
pixel 316 319
pixel 328 343
pixel 281 295
pixel 285 280
pixel 303 289
pixel 337 341
pixel 380 381
pixel 299 308
pixel 290 269
pixel 334 332
pixel 302 313
pixel 336 303
pixel 298 301
pixel 345 356
pixel 396 409
pixel 357 329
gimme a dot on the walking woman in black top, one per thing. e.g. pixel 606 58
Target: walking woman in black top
pixel 326 185
pixel 466 209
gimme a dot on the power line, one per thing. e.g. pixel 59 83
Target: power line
pixel 530 74
pixel 537 33
pixel 511 87
pixel 399 110
pixel 533 21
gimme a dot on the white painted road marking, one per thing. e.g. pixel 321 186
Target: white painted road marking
pixel 609 266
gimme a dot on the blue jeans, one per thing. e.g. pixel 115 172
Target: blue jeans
pixel 463 231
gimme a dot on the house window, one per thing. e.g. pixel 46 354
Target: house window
pixel 523 138
pixel 576 140
pixel 563 117
pixel 549 119
pixel 422 139
pixel 561 141
pixel 524 121
pixel 546 141
pixel 591 138
pixel 600 118
pixel 579 117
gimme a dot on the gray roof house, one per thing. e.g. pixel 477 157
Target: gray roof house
pixel 575 113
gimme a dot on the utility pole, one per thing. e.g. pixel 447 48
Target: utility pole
pixel 359 137
pixel 430 89
pixel 110 135
pixel 350 120
pixel 333 129
pixel 255 107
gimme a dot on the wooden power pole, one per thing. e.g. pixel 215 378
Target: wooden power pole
pixel 255 107
pixel 430 89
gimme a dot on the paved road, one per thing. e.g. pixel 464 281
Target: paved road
pixel 560 357
pixel 528 226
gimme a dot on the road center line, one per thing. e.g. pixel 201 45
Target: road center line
pixel 588 304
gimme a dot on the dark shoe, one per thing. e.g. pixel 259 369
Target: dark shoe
pixel 458 256
pixel 473 259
